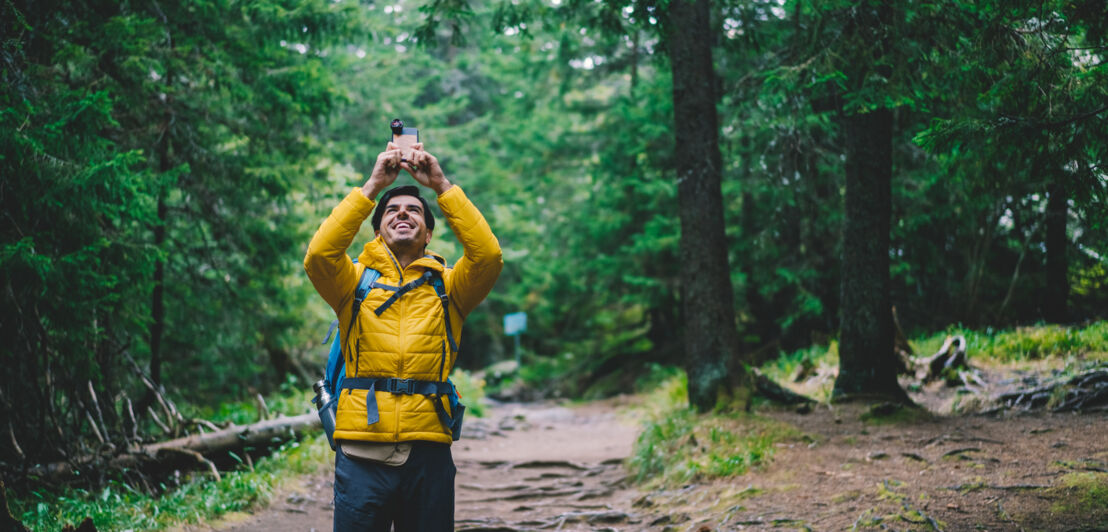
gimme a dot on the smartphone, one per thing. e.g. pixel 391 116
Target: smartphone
pixel 402 136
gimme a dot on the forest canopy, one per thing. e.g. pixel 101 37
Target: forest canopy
pixel 165 163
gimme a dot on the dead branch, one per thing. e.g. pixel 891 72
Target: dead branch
pixel 133 436
pixel 96 408
pixel 199 458
pixel 158 421
pixel 232 438
pixel 263 409
pixel 95 429
pixel 15 442
pixel 205 423
pixel 170 409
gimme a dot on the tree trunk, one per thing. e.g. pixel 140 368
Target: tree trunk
pixel 1057 284
pixel 157 306
pixel 710 335
pixel 867 365
pixel 164 151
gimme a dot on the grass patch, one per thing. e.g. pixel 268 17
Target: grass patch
pixel 1027 343
pixel 1082 493
pixel 678 445
pixel 197 498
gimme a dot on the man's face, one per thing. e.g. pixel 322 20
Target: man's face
pixel 402 223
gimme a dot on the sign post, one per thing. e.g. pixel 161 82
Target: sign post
pixel 515 324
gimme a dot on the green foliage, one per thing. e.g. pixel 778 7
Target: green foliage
pixel 472 391
pixel 207 141
pixel 119 506
pixel 150 155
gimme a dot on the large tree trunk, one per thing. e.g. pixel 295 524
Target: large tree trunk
pixel 710 335
pixel 867 365
pixel 1057 284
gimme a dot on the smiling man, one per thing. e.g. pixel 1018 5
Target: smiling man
pixel 393 466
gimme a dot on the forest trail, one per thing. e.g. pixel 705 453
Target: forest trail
pixel 523 466
pixel 551 467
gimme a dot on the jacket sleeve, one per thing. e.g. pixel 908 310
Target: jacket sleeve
pixel 329 267
pixel 474 275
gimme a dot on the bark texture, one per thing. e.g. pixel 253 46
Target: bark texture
pixel 1057 284
pixel 707 303
pixel 867 365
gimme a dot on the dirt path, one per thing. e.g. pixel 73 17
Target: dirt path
pixel 549 467
pixel 523 466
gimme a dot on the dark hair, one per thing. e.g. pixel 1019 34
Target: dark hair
pixel 406 190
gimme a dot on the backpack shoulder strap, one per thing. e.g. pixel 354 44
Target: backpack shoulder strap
pixel 365 283
pixel 336 370
pixel 440 290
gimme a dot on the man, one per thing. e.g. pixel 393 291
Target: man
pixel 393 465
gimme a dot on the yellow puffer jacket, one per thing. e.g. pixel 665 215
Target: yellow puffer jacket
pixel 408 340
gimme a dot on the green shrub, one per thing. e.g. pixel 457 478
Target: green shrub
pixel 472 391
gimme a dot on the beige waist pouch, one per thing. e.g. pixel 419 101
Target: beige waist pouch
pixel 390 454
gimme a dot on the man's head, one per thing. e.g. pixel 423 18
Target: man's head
pixel 403 218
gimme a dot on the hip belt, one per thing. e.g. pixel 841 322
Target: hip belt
pixel 432 389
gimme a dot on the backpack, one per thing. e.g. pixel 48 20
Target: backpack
pixel 334 377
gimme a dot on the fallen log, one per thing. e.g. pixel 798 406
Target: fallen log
pixel 196 446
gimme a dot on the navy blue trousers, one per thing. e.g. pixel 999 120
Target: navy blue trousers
pixel 417 496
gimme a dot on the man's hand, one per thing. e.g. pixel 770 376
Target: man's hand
pixel 384 171
pixel 425 169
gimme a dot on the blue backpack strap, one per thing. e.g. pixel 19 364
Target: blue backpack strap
pixel 440 290
pixel 399 292
pixel 336 370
